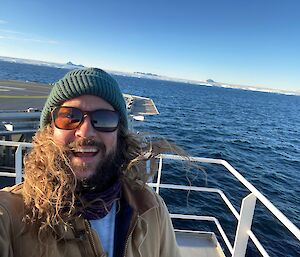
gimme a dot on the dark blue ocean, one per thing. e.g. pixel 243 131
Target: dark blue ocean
pixel 257 133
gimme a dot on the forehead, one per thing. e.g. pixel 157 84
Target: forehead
pixel 88 103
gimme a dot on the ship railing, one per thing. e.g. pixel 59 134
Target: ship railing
pixel 18 174
pixel 243 231
pixel 244 218
pixel 19 122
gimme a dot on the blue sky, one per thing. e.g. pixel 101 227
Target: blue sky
pixel 241 42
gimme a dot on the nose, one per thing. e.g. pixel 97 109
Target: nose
pixel 86 128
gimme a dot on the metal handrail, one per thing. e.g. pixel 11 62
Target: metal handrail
pixel 18 159
pixel 200 189
pixel 12 143
pixel 278 214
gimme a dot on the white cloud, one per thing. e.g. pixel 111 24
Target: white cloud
pixel 19 36
pixel 3 21
pixel 12 32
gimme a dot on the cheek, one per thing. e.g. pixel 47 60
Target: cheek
pixel 110 140
pixel 62 137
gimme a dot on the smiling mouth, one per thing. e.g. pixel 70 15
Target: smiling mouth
pixel 85 152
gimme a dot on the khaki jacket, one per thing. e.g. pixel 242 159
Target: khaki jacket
pixel 150 233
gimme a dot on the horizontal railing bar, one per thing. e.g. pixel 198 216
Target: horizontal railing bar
pixel 20 116
pixel 8 174
pixel 17 131
pixel 188 188
pixel 190 158
pixel 230 206
pixel 12 143
pixel 192 217
pixel 200 189
pixel 193 231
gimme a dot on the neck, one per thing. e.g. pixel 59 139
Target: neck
pixel 95 205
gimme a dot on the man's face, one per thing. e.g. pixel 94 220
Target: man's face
pixel 87 157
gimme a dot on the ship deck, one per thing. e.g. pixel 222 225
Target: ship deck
pixel 18 95
pixel 203 244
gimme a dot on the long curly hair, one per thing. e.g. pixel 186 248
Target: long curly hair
pixel 50 184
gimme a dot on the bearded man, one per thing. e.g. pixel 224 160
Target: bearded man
pixel 84 193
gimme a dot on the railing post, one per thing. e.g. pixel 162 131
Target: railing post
pixel 18 164
pixel 244 225
pixel 159 174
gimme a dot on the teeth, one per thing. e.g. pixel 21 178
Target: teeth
pixel 86 150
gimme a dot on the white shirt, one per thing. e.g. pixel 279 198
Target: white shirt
pixel 105 228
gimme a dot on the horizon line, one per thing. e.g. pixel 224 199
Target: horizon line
pixel 150 75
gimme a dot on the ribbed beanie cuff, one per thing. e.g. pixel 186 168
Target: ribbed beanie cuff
pixel 90 81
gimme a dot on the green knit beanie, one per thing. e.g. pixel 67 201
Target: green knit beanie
pixel 90 81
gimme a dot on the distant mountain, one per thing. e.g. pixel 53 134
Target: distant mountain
pixel 68 65
pixel 76 65
pixel 210 81
pixel 146 74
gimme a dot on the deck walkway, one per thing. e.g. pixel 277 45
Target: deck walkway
pixel 18 95
pixel 200 244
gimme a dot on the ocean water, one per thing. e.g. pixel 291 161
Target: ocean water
pixel 257 133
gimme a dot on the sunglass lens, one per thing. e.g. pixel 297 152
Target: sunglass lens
pixel 67 117
pixel 105 120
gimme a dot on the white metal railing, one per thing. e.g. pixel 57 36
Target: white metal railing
pixel 247 209
pixel 18 159
pixel 244 217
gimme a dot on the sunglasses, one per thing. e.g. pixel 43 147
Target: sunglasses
pixel 69 118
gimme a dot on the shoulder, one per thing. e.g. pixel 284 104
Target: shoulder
pixel 12 210
pixel 11 200
pixel 16 189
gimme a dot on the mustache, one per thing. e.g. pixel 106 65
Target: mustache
pixel 86 142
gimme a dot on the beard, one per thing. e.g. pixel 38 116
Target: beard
pixel 106 169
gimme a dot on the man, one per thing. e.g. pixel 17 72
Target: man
pixel 84 191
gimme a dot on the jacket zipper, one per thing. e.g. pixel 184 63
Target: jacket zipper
pixel 91 239
pixel 137 216
pixel 129 234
